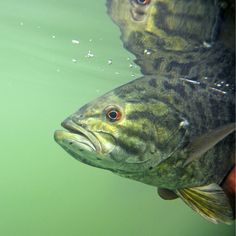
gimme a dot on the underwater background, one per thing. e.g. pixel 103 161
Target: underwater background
pixel 55 57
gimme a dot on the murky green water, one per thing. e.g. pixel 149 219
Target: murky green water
pixel 54 58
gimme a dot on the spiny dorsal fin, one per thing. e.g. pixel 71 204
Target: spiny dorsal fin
pixel 209 201
pixel 207 141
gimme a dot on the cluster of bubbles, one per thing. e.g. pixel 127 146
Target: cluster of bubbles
pixel 217 87
pixel 91 55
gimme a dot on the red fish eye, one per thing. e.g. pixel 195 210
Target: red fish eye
pixel 113 115
pixel 143 2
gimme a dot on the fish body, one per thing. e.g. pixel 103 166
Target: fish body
pixel 148 129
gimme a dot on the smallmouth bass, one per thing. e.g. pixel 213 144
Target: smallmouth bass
pixel 173 134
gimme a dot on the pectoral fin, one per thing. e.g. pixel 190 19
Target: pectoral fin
pixel 166 194
pixel 209 201
pixel 204 143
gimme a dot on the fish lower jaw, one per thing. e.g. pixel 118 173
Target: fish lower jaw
pixel 74 142
pixel 77 130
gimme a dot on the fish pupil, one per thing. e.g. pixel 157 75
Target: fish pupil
pixel 113 115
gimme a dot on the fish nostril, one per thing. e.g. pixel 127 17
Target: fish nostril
pixel 77 118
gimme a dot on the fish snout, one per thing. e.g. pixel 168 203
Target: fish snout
pixel 66 123
pixel 58 136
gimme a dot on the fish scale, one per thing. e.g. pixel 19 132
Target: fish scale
pixel 152 147
pixel 134 129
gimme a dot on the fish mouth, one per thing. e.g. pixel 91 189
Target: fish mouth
pixel 85 147
pixel 77 136
pixel 137 12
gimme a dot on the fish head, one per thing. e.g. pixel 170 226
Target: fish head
pixel 123 131
pixel 92 131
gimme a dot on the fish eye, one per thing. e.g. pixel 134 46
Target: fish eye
pixel 143 2
pixel 113 114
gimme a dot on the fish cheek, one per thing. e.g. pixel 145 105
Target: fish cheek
pixel 106 140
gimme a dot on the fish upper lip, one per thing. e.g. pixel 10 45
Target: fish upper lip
pixel 71 126
pixel 137 12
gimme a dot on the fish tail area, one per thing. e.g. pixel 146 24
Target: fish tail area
pixel 209 201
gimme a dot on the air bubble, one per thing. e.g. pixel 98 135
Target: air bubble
pixel 207 45
pixel 75 41
pixel 90 54
pixel 147 51
pixel 184 123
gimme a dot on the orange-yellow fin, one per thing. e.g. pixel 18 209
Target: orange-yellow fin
pixel 209 201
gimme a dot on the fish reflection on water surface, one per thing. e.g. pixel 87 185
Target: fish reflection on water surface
pixel 170 133
pixel 191 39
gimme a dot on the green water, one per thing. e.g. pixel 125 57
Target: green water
pixel 45 76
